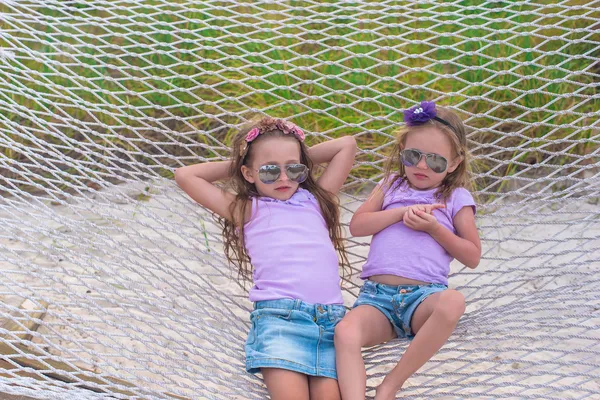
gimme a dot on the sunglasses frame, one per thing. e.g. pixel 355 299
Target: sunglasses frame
pixel 427 160
pixel 286 167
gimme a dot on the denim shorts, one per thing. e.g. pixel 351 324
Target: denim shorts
pixel 293 335
pixel 397 303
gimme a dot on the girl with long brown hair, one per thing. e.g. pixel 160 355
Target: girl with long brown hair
pixel 281 228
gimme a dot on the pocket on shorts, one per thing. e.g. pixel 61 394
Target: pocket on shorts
pixel 280 313
pixel 337 315
pixel 252 333
pixel 368 288
pixel 259 317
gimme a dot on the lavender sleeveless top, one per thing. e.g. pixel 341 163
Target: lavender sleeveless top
pixel 402 251
pixel 291 252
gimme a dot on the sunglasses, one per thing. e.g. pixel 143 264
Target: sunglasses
pixel 270 173
pixel 435 162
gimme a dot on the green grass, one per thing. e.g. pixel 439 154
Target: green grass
pixel 175 73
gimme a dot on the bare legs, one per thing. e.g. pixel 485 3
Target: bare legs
pixel 361 327
pixel 289 385
pixel 433 322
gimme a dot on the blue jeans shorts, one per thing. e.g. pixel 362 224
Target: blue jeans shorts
pixel 293 335
pixel 397 303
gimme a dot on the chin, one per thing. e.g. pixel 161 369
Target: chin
pixel 280 196
pixel 423 185
pixel 283 195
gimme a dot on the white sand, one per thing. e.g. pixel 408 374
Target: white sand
pixel 139 290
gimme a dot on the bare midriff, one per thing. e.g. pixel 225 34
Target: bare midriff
pixel 395 280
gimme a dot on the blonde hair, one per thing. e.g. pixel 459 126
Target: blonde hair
pixel 394 171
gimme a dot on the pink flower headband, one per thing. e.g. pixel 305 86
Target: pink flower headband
pixel 284 126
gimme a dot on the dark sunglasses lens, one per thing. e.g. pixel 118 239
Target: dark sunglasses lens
pixel 410 157
pixel 437 163
pixel 296 172
pixel 269 173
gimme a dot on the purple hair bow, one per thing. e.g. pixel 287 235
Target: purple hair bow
pixel 420 114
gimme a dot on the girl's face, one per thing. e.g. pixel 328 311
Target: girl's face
pixel 434 143
pixel 273 151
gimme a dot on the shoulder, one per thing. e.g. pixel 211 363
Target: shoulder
pixel 461 194
pixel 459 198
pixel 393 184
pixel 395 190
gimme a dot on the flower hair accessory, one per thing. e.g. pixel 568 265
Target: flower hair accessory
pixel 284 126
pixel 420 114
pixel 253 134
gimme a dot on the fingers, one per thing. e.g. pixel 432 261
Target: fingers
pixel 428 208
pixel 413 219
pixel 425 216
pixel 419 220
pixel 418 207
pixel 406 217
pixel 410 218
pixel 432 207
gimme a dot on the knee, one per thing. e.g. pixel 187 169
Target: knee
pixel 451 306
pixel 346 335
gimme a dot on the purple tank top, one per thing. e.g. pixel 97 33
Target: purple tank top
pixel 402 251
pixel 291 252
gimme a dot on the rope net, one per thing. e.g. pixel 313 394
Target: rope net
pixel 113 283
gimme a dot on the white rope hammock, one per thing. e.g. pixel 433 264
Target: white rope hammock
pixel 113 283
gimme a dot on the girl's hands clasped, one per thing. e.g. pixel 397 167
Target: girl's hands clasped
pixel 420 217
pixel 420 220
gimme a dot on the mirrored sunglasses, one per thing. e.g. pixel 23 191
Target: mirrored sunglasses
pixel 270 173
pixel 435 162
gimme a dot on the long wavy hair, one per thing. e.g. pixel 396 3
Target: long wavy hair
pixel 233 230
pixel 395 173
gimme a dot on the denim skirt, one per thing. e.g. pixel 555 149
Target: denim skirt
pixel 293 335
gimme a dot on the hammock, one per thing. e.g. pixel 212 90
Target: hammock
pixel 113 283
